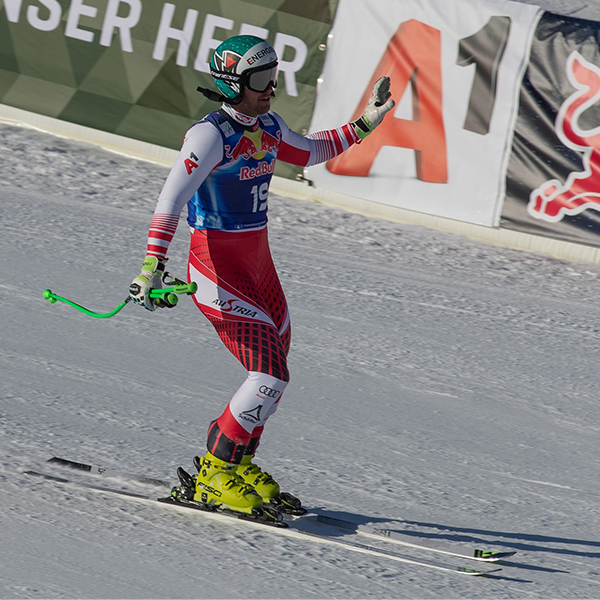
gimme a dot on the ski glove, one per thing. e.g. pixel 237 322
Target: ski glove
pixel 379 104
pixel 150 278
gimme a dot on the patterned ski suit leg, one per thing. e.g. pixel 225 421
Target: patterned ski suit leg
pixel 240 293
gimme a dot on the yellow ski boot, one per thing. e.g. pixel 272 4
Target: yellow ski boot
pixel 218 483
pixel 266 487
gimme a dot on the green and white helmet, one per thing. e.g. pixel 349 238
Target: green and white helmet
pixel 243 61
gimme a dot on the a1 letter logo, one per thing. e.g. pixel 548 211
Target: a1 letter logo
pixel 413 56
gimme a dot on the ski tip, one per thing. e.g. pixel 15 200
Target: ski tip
pixel 492 556
pixel 477 572
pixel 69 463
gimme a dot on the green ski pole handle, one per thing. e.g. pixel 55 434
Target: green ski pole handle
pixel 178 288
pixel 168 295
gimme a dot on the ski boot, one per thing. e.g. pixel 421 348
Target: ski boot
pixel 218 483
pixel 192 495
pixel 268 488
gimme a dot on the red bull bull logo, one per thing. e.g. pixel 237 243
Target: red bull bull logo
pixel 553 200
pixel 268 142
pixel 255 145
pixel 245 148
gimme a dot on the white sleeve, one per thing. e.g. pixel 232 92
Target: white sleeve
pixel 201 152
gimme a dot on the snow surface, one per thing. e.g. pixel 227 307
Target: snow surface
pixel 445 387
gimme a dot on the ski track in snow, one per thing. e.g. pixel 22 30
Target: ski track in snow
pixel 439 385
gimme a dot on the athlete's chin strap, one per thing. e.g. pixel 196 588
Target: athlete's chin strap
pixel 215 96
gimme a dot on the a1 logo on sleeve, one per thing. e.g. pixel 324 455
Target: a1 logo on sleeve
pixel 191 163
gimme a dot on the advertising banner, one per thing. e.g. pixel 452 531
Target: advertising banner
pixel 131 67
pixel 553 179
pixel 455 71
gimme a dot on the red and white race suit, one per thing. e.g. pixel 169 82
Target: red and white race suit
pixel 223 173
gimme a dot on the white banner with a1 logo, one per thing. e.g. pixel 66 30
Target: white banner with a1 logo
pixel 456 69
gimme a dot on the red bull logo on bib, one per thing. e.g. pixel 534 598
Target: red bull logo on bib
pixel 254 144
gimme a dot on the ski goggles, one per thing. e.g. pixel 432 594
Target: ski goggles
pixel 261 79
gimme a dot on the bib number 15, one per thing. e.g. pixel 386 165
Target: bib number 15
pixel 260 194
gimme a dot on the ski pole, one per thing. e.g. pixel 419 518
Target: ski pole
pixel 167 295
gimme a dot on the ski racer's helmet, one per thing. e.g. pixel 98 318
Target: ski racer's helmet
pixel 243 61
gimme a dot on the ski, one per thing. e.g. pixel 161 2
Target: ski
pixel 404 539
pixel 285 503
pixel 371 531
pixel 104 472
pixel 290 530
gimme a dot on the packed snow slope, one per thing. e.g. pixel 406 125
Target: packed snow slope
pixel 442 386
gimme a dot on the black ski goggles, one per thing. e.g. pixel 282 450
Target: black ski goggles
pixel 261 79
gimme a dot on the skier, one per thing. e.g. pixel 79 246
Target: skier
pixel 223 173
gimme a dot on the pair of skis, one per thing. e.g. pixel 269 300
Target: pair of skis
pixel 309 527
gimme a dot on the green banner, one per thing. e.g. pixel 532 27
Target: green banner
pixel 131 67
